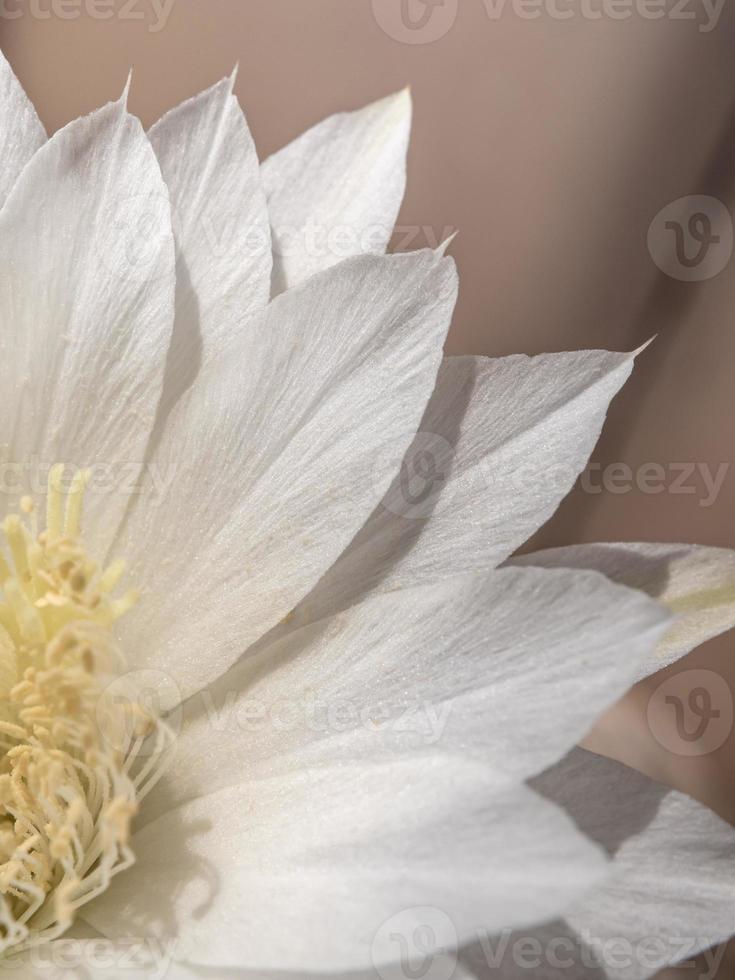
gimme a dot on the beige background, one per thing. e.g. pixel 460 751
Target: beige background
pixel 551 144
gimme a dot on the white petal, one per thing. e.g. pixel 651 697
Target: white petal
pixel 674 864
pixel 668 897
pixel 271 458
pixel 696 583
pixel 21 131
pixel 336 190
pixel 511 669
pixel 221 226
pixel 86 305
pixel 301 872
pixel 501 444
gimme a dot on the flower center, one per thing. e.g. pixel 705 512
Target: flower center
pixel 75 758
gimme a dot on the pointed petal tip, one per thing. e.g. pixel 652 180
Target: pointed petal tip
pixel 396 106
pixel 403 99
pixel 233 75
pixel 123 100
pixel 645 346
pixel 441 250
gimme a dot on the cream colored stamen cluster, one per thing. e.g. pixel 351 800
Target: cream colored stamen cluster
pixel 72 763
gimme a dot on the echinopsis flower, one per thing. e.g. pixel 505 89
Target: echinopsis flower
pixel 375 706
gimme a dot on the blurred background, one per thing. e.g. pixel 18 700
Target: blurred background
pixel 552 134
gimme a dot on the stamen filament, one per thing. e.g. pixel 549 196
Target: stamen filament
pixel 72 766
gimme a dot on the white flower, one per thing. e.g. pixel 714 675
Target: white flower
pixel 366 691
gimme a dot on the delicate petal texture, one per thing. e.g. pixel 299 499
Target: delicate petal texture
pixel 336 190
pixel 299 872
pixel 21 131
pixel 511 668
pixel 221 227
pixel 87 309
pixel 697 584
pixel 669 896
pixel 270 460
pixel 500 445
pixel 672 881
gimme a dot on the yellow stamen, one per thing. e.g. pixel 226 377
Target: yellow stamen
pixel 73 516
pixel 71 768
pixel 55 501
